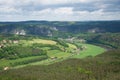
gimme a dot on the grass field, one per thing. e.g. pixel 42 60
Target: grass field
pixel 59 55
pixel 4 62
pixel 91 50
pixel 72 46
pixel 42 41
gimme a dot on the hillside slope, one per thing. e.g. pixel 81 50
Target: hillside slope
pixel 103 67
pixel 47 28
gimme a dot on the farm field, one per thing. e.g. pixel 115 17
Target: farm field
pixel 90 50
pixel 4 63
pixel 58 54
pixel 42 41
pixel 41 44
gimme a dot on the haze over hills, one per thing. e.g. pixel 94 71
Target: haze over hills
pixel 48 28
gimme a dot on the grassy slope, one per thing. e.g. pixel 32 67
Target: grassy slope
pixel 91 50
pixel 57 53
pixel 102 67
pixel 42 41
pixel 72 46
pixel 4 62
pixel 51 53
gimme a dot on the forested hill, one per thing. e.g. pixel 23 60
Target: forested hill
pixel 49 28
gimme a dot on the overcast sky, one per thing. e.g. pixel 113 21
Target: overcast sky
pixel 59 10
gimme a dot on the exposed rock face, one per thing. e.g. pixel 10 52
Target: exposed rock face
pixel 54 28
pixel 19 32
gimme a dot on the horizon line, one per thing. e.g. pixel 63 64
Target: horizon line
pixel 57 21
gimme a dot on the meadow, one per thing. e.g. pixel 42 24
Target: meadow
pixel 54 51
pixel 89 51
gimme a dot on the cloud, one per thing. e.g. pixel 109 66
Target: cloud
pixel 59 9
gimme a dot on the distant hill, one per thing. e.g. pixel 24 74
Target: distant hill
pixel 51 28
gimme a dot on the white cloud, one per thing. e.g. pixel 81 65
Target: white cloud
pixel 64 11
pixel 59 9
pixel 43 2
pixel 67 13
pixel 9 10
pixel 51 2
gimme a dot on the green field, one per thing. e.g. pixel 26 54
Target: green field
pixel 90 50
pixel 57 53
pixel 54 55
pixel 72 46
pixel 42 41
pixel 4 62
pixel 60 56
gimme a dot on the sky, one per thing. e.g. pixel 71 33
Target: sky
pixel 59 10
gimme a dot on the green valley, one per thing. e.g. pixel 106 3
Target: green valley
pixel 43 51
pixel 60 50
